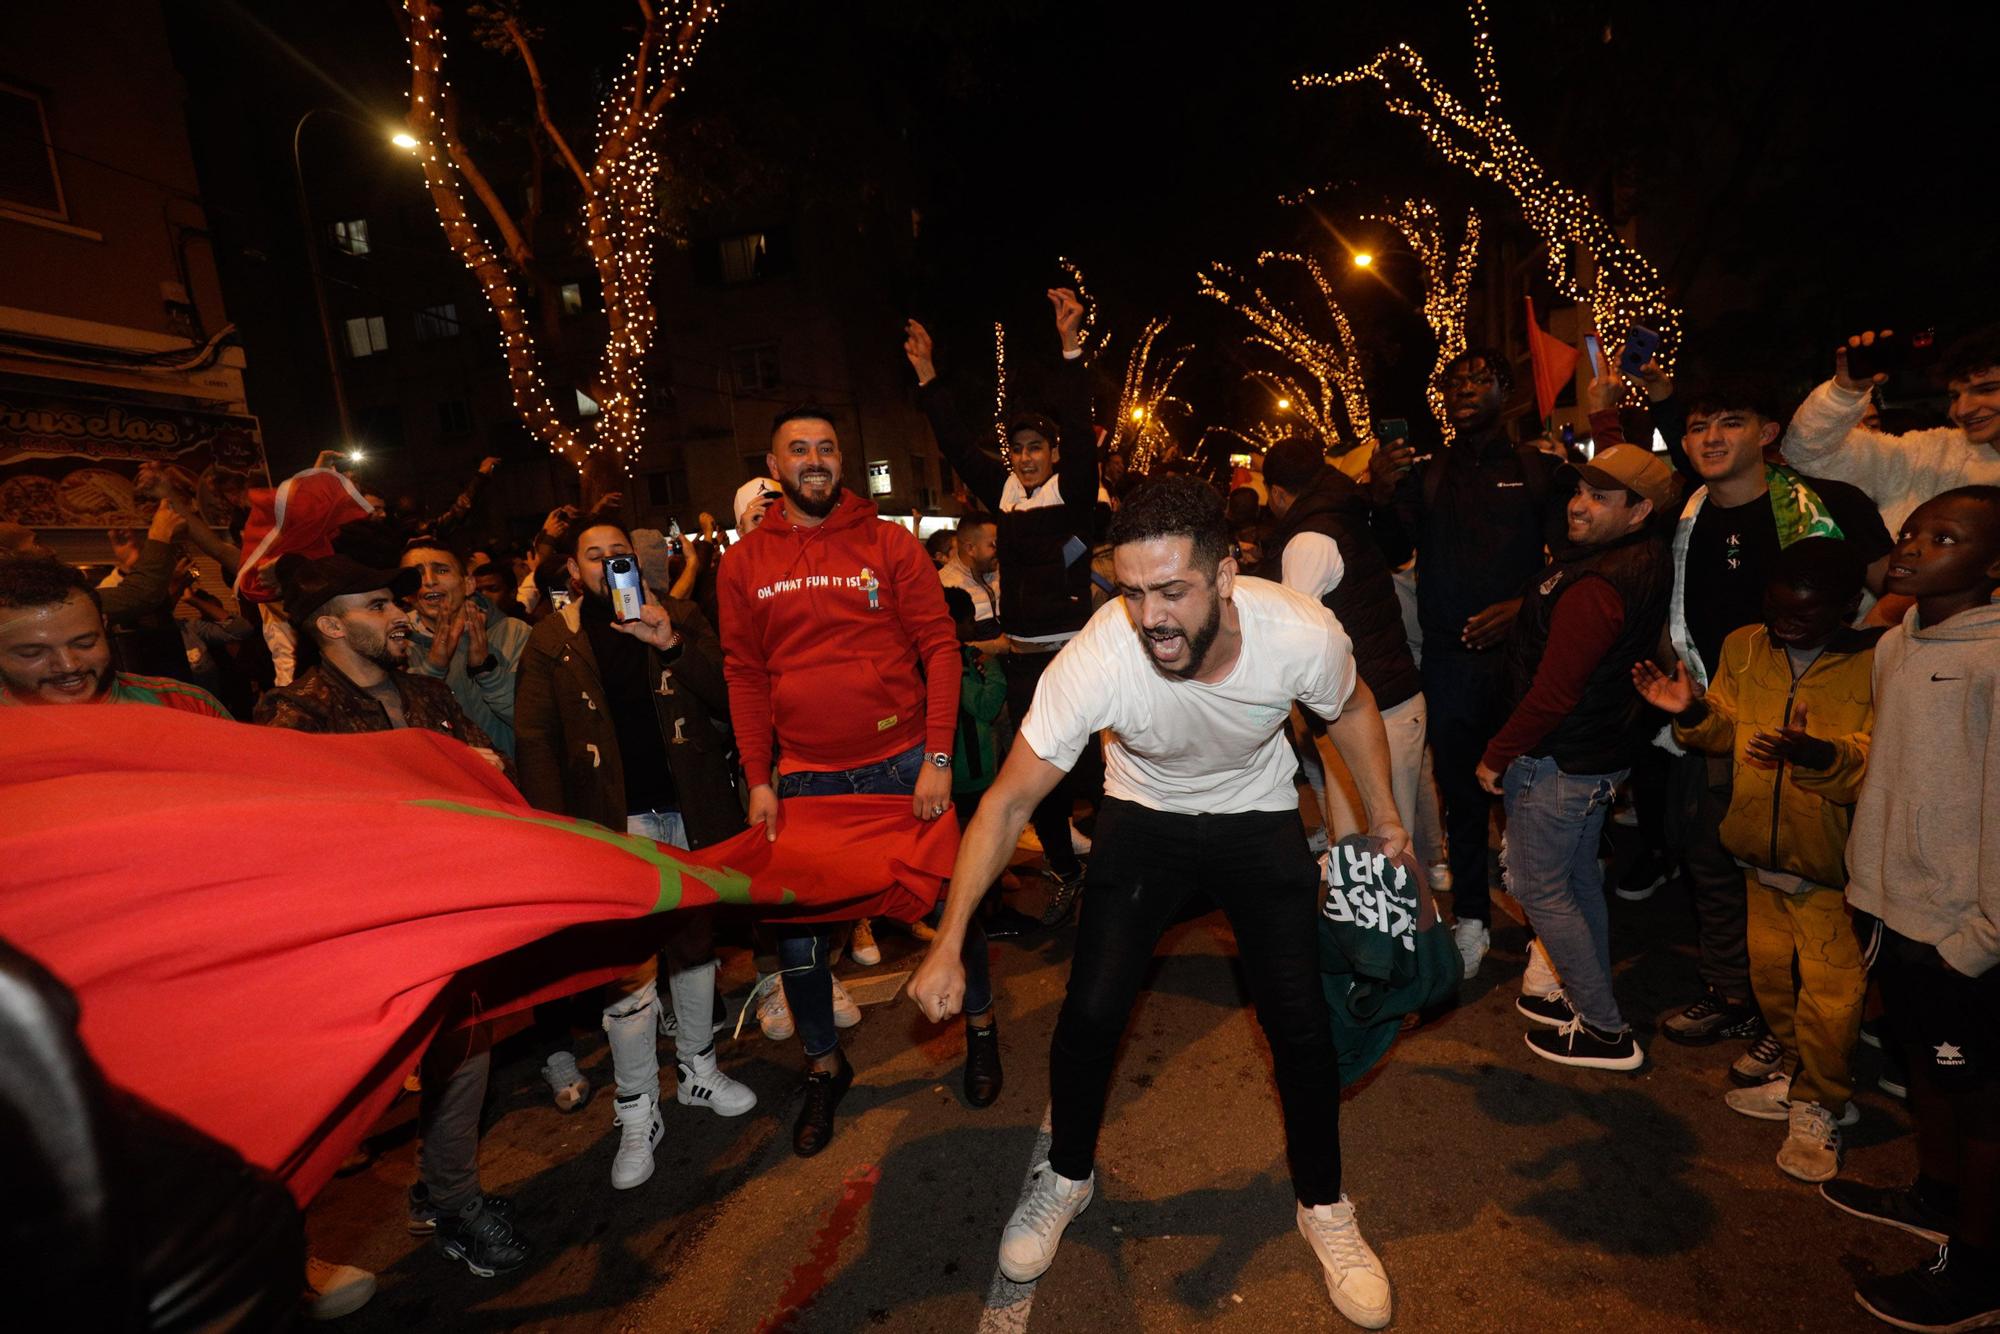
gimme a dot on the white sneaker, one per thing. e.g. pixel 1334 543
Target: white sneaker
pixel 333 1291
pixel 639 1130
pixel 700 1083
pixel 774 1017
pixel 1355 1278
pixel 1473 940
pixel 1772 1101
pixel 1440 877
pixel 1079 842
pixel 1540 979
pixel 1028 1246
pixel 566 1082
pixel 846 1014
pixel 861 946
pixel 1811 1151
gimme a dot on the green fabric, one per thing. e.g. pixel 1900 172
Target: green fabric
pixel 1797 508
pixel 1383 951
pixel 982 693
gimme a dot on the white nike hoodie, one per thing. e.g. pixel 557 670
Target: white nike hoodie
pixel 1924 852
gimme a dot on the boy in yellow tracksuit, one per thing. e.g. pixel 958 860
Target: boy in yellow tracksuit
pixel 1792 703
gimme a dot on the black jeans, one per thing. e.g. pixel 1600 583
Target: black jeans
pixel 1466 694
pixel 1257 867
pixel 1051 819
pixel 1698 789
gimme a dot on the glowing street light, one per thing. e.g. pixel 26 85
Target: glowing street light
pixel 1362 259
pixel 1284 405
pixel 404 140
pixel 1138 414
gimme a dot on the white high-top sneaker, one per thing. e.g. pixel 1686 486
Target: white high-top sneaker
pixel 846 1014
pixel 1028 1245
pixel 1540 977
pixel 699 1082
pixel 639 1131
pixel 1355 1278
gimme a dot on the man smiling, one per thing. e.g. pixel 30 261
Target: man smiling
pixel 54 649
pixel 460 636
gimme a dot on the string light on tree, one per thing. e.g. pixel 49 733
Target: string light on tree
pixel 1587 260
pixel 1332 396
pixel 1000 392
pixel 1447 284
pixel 1141 431
pixel 1089 337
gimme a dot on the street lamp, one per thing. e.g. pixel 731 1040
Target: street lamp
pixel 1362 259
pixel 401 140
pixel 1284 405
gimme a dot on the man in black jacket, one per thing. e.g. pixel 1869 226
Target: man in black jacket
pixel 1480 511
pixel 1323 546
pixel 1045 498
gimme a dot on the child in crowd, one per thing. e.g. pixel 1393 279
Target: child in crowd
pixel 1924 857
pixel 1790 702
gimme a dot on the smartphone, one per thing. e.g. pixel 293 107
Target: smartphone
pixel 1889 353
pixel 628 593
pixel 1390 431
pixel 1641 344
pixel 674 529
pixel 1594 349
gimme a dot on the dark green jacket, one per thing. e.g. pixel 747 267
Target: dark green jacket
pixel 1383 951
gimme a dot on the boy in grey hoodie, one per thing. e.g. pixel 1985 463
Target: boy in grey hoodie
pixel 1924 857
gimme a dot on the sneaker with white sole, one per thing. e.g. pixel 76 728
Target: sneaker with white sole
pixel 1811 1151
pixel 482 1239
pixel 846 1014
pixel 1028 1245
pixel 861 946
pixel 1643 878
pixel 1540 977
pixel 1473 939
pixel 1760 1060
pixel 639 1131
pixel 333 1291
pixel 699 1082
pixel 1577 1043
pixel 1079 842
pixel 1772 1101
pixel 565 1081
pixel 1550 1011
pixel 1355 1278
pixel 774 1016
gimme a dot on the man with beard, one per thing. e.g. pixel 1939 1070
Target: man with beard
pixel 464 639
pixel 840 650
pixel 1191 676
pixel 348 615
pixel 1480 511
pixel 1725 550
pixel 622 723
pixel 54 648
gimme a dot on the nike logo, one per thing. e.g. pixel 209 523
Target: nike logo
pixel 1936 677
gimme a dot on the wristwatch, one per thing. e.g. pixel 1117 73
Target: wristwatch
pixel 939 759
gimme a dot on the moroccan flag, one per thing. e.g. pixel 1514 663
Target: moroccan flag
pixel 266 928
pixel 1554 362
pixel 302 513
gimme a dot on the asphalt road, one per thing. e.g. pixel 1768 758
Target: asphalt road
pixel 1503 1193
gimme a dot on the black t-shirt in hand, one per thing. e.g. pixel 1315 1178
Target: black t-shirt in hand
pixel 1733 549
pixel 626 670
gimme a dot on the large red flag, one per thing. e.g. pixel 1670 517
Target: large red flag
pixel 264 927
pixel 1554 362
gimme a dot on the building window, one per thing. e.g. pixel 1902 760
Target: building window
pixel 351 235
pixel 743 257
pixel 28 177
pixel 453 418
pixel 586 406
pixel 435 322
pixel 366 336
pixel 879 481
pixel 755 368
pixel 572 298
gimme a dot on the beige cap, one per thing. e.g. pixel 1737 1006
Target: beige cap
pixel 1640 471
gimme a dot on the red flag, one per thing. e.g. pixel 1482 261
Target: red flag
pixel 302 513
pixel 257 951
pixel 1554 361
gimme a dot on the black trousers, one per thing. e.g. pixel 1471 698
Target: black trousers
pixel 1051 819
pixel 1698 788
pixel 1145 866
pixel 1466 695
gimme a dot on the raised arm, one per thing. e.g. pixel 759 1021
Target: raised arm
pixel 985 476
pixel 1078 465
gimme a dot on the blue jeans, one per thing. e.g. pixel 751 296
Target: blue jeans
pixel 1553 823
pixel 803 950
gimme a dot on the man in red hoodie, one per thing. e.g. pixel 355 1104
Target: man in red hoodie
pixel 839 647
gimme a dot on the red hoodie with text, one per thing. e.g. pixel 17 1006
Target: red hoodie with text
pixel 837 639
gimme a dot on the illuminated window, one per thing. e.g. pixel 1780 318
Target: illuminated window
pixel 366 336
pixel 742 257
pixel 351 235
pixel 572 298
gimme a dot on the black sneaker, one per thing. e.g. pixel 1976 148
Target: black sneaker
pixel 1007 923
pixel 1871 1033
pixel 424 1214
pixel 1711 1019
pixel 982 1064
pixel 482 1238
pixel 1063 894
pixel 1760 1060
pixel 1646 876
pixel 1577 1043
pixel 1550 1011
pixel 1898 1206
pixel 1895 1077
pixel 1934 1296
pixel 824 1090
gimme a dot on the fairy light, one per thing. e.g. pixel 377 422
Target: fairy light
pixel 620 221
pixel 1447 284
pixel 1089 337
pixel 1332 396
pixel 1619 285
pixel 1000 392
pixel 1140 430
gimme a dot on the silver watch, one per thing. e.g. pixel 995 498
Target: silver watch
pixel 939 759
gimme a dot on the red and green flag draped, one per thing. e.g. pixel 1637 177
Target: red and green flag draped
pixel 265 928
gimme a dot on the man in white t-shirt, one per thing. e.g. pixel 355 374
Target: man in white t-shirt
pixel 1191 674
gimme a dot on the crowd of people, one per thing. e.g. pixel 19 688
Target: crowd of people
pixel 1774 645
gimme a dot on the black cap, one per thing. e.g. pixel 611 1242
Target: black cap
pixel 307 585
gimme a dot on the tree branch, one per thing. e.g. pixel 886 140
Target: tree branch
pixel 520 41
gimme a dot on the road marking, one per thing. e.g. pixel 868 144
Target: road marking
pixel 1008 1302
